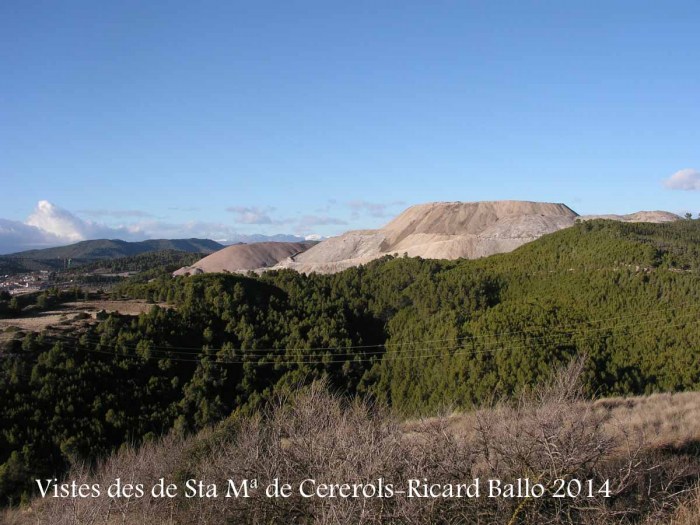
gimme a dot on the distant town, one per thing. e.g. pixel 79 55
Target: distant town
pixel 23 283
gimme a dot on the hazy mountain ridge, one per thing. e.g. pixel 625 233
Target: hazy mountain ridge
pixel 113 248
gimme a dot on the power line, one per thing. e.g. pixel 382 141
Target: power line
pixel 197 350
pixel 457 351
pixel 386 346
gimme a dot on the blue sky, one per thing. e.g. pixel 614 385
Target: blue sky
pixel 178 118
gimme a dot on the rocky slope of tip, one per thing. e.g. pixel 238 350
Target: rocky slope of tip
pixel 451 230
pixel 244 257
pixel 441 230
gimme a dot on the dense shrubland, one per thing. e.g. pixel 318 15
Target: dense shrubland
pixel 163 261
pixel 416 335
pixel 545 435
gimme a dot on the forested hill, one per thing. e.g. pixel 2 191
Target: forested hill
pixel 110 249
pixel 418 334
pixel 99 250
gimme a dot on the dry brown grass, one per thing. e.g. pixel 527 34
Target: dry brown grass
pixel 663 420
pixel 547 434
pixel 688 513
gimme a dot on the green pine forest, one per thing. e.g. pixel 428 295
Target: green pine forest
pixel 422 336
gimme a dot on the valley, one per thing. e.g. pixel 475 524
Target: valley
pixel 440 346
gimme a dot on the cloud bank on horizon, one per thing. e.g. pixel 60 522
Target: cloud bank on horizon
pixel 49 225
pixel 687 179
pixel 252 214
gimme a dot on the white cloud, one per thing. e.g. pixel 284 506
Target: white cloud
pixel 152 229
pixel 16 236
pixel 62 224
pixel 300 225
pixel 54 220
pixel 314 237
pixel 374 209
pixel 307 221
pixel 252 215
pixel 116 213
pixel 687 179
pixel 49 225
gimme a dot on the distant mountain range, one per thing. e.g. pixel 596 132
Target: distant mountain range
pixel 98 250
pixel 439 230
pixel 113 248
pixel 83 252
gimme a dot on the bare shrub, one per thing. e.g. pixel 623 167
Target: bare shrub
pixel 688 513
pixel 130 465
pixel 547 434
